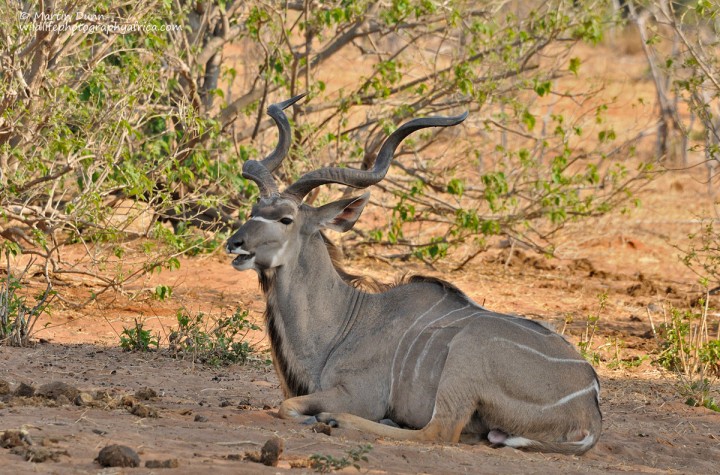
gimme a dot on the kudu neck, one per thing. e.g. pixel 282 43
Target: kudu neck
pixel 308 306
pixel 315 267
pixel 311 282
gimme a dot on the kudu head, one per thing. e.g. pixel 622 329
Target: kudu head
pixel 280 222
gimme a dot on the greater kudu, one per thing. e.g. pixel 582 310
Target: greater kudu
pixel 420 354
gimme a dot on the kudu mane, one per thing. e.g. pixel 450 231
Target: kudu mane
pixel 363 282
pixel 371 284
pixel 295 384
pixel 360 282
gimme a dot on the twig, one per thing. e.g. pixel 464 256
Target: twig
pixel 469 258
pixel 239 442
pixel 510 253
pixel 652 325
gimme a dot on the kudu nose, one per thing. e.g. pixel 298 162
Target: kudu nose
pixel 233 245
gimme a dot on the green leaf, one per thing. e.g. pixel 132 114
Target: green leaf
pixel 574 66
pixel 542 88
pixel 528 119
pixel 456 187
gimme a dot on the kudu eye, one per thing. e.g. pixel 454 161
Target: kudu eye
pixel 286 221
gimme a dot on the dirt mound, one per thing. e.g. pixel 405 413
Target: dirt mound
pixel 648 288
pixel 615 242
pixel 519 259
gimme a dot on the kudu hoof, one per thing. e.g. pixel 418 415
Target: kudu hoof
pixel 327 419
pixel 388 422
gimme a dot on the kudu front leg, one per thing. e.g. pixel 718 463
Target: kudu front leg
pixel 305 408
pixel 452 411
pixel 330 407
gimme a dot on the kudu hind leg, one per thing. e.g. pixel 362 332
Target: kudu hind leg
pixel 436 430
pixel 455 405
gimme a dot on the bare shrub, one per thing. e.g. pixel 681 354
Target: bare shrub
pixel 125 147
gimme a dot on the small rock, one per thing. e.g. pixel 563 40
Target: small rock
pixel 141 410
pixel 225 403
pixel 145 394
pixel 300 463
pixel 118 456
pixel 56 389
pixel 321 428
pixel 169 463
pixel 4 387
pixel 25 390
pixel 200 418
pixel 102 395
pixel 84 399
pixel 62 400
pixel 271 451
pixel 129 401
pixel 14 438
pixel 39 454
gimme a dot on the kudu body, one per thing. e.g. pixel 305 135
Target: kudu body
pixel 420 354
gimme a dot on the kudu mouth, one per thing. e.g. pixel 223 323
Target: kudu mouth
pixel 244 259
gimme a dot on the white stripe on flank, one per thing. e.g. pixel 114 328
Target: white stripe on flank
pixel 511 319
pixel 570 397
pixel 536 352
pixel 428 344
pixel 402 338
pixel 593 387
pixel 412 344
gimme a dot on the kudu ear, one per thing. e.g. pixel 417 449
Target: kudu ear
pixel 341 215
